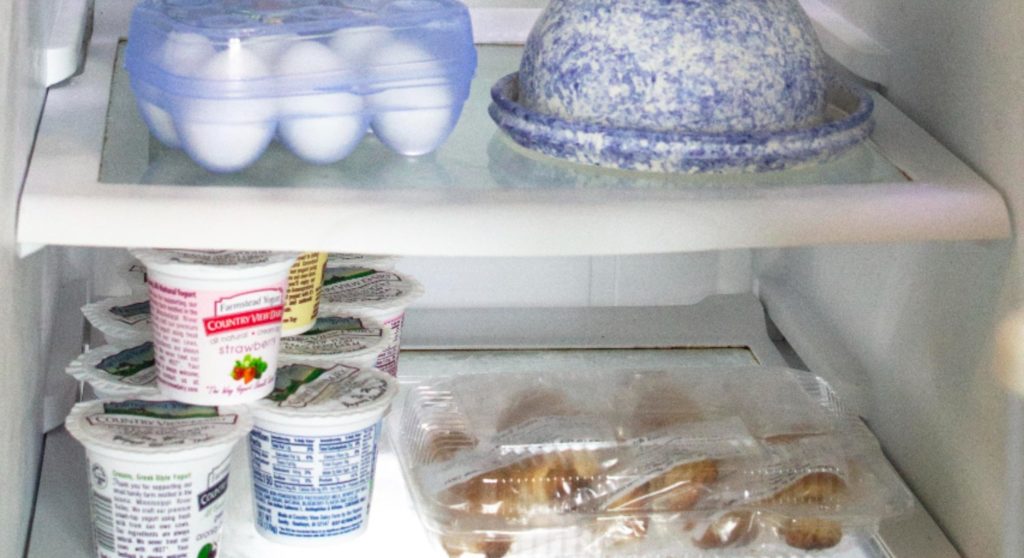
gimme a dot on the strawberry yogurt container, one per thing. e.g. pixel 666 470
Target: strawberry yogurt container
pixel 216 322
pixel 371 293
pixel 305 279
pixel 313 451
pixel 158 473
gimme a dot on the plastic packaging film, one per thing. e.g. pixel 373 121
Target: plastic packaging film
pixel 735 462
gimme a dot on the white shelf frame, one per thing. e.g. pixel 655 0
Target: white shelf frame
pixel 63 201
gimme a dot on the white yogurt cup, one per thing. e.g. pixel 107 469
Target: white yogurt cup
pixel 305 279
pixel 121 319
pixel 216 322
pixel 372 261
pixel 370 293
pixel 158 471
pixel 355 341
pixel 313 451
pixel 118 371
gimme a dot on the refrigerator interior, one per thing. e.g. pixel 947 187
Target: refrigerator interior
pixel 904 328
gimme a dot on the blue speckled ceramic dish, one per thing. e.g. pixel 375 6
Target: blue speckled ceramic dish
pixel 847 123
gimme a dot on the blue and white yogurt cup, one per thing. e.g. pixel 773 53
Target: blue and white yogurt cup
pixel 313 450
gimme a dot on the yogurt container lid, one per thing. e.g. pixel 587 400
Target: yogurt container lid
pixel 372 261
pixel 354 289
pixel 119 368
pixel 335 391
pixel 121 318
pixel 214 264
pixel 339 336
pixel 148 429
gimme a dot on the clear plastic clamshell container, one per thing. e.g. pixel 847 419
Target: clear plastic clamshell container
pixel 754 461
pixel 219 78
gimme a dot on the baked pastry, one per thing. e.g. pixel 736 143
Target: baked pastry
pixel 660 404
pixel 731 529
pixel 487 545
pixel 678 489
pixel 811 533
pixel 548 482
pixel 813 488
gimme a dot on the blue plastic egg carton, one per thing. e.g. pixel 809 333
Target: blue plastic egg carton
pixel 221 79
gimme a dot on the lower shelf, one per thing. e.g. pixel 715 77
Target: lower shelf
pixel 720 331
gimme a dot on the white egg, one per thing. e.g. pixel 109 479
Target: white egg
pixel 319 127
pixel 220 147
pixel 411 120
pixel 269 49
pixel 354 45
pixel 184 54
pixel 228 134
pixel 161 125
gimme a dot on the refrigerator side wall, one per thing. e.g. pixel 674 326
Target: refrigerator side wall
pixel 911 327
pixel 22 307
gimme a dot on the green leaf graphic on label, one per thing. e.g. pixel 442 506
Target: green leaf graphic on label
pixel 208 551
pixel 248 369
pixel 338 275
pixel 291 378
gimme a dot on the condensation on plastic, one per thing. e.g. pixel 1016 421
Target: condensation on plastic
pixel 221 78
pixel 755 461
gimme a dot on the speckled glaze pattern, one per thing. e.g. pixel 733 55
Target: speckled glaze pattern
pixel 711 66
pixel 846 124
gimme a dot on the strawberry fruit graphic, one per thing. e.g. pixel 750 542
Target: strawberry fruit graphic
pixel 248 369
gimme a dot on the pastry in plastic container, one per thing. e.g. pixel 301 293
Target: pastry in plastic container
pixel 754 461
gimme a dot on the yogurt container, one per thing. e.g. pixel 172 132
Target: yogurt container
pixel 121 319
pixel 118 371
pixel 356 341
pixel 216 322
pixel 372 261
pixel 313 451
pixel 158 472
pixel 303 300
pixel 369 293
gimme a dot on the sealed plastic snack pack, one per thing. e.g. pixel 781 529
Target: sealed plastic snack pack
pixel 755 461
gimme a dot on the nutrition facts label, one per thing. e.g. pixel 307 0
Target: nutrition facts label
pixel 177 337
pixel 313 487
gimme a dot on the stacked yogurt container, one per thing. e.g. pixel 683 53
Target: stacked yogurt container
pixel 176 394
pixel 221 78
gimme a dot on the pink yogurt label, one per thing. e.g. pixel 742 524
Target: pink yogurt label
pixel 220 345
pixel 388 359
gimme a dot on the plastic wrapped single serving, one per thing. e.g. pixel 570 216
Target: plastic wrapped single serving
pixel 219 78
pixel 118 371
pixel 755 461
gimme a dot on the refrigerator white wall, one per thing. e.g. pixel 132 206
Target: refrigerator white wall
pixel 22 324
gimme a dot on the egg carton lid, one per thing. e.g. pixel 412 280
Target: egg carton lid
pixel 359 45
pixel 123 369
